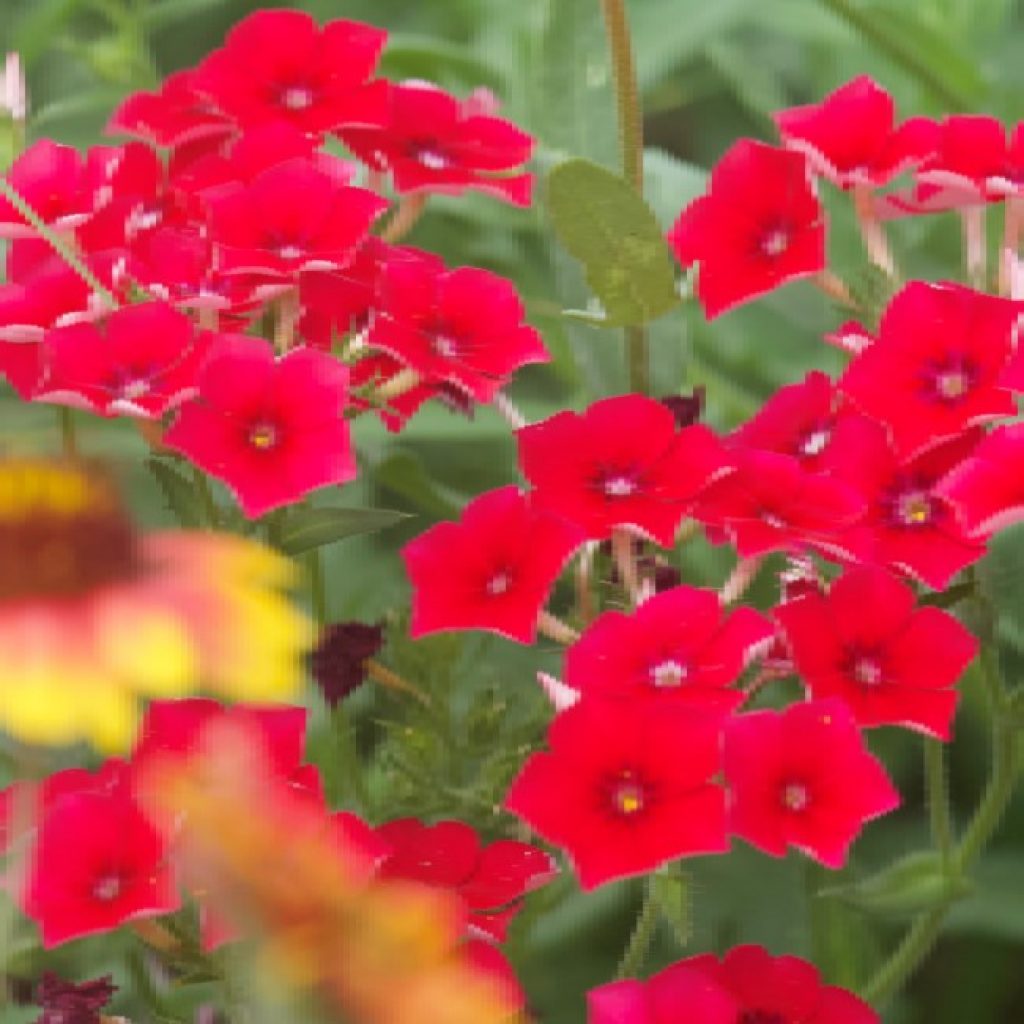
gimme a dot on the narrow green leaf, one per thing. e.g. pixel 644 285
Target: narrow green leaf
pixel 309 528
pixel 614 233
pixel 179 494
pixel 403 474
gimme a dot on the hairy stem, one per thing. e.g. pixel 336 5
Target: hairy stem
pixel 643 934
pixel 937 790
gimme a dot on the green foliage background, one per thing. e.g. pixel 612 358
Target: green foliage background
pixel 710 72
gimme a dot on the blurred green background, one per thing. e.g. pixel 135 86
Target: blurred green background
pixel 710 72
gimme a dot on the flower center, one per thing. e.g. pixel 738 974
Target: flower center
pixel 498 584
pixel 107 888
pixel 619 487
pixel 914 508
pixel 761 1017
pixel 444 346
pixel 263 436
pixel 795 796
pixel 289 252
pixel 952 380
pixel 297 97
pixel 667 673
pixel 867 671
pixel 134 389
pixel 775 243
pixel 432 159
pixel 62 531
pixel 815 442
pixel 628 796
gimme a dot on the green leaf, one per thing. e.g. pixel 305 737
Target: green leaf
pixel 309 528
pixel 403 474
pixel 914 883
pixel 179 494
pixel 602 221
pixel 162 13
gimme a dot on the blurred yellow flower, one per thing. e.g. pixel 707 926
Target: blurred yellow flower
pixel 95 616
pixel 377 951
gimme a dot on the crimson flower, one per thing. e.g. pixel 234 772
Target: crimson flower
pixel 462 327
pixel 677 645
pixel 53 180
pixel 271 429
pixel 433 143
pixel 625 787
pixel 909 525
pixel 759 225
pixel 279 64
pixel 292 218
pixel 491 881
pixel 620 464
pixel 98 863
pixel 143 361
pixel 747 986
pixel 975 160
pixel 771 503
pixel 492 570
pixel 865 642
pixel 851 137
pixel 986 490
pixel 803 777
pixel 938 364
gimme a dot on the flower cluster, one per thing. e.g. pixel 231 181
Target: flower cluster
pixel 228 210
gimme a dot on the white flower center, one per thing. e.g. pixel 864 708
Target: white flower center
pixel 668 673
pixel 867 671
pixel 432 159
pixel 795 796
pixel 775 243
pixel 814 443
pixel 297 98
pixel 619 487
pixel 107 889
pixel 498 584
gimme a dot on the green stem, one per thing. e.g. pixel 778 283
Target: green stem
pixel 317 586
pixel 351 764
pixel 900 49
pixel 68 437
pixel 206 497
pixel 65 251
pixel 908 955
pixel 937 789
pixel 631 142
pixel 643 934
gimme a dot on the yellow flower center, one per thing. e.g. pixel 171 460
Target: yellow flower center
pixel 628 796
pixel 263 436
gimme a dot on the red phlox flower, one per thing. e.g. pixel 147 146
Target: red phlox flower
pixel 803 777
pixel 176 115
pixel 272 429
pixel 288 219
pixel 376 370
pixel 909 525
pixel 975 158
pixel 620 464
pixel 98 863
pixel 280 65
pixel 851 336
pixel 625 787
pixel 985 490
pixel 782 989
pixel 660 999
pixel 492 881
pixel 772 503
pixel 463 327
pixel 938 364
pixel 493 569
pixel 143 361
pixel 52 179
pixel 433 143
pixel 759 225
pixel 865 642
pixel 678 645
pixel 851 137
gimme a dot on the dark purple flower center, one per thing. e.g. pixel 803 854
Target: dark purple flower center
pixel 761 1017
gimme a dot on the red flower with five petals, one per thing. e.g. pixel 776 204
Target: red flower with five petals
pixel 625 787
pixel 759 225
pixel 621 464
pixel 492 570
pixel 803 777
pixel 272 429
pixel 865 642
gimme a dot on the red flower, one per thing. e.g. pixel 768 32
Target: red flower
pixel 621 464
pixel 865 642
pixel 909 526
pixel 759 225
pixel 677 645
pixel 291 218
pixel 492 881
pixel 98 863
pixel 748 986
pixel 280 64
pixel 803 777
pixel 272 430
pixel 143 362
pixel 52 179
pixel 773 504
pixel 462 327
pixel 937 365
pixel 492 570
pixel 851 137
pixel 625 787
pixel 433 143
pixel 986 490
pixel 974 160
